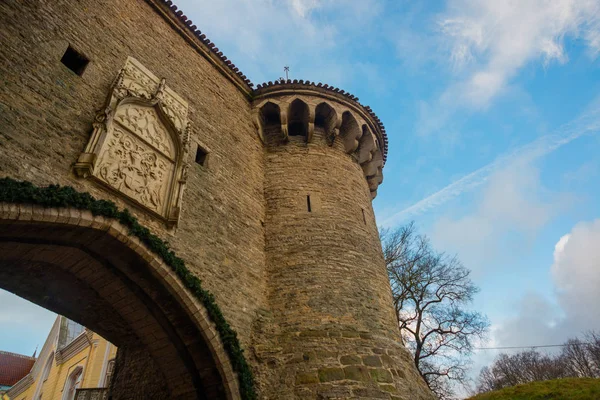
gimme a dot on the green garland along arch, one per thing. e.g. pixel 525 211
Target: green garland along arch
pixel 12 191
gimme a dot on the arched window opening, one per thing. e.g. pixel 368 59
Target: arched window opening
pixel 73 382
pixel 270 115
pixel 325 118
pixel 298 118
pixel 73 330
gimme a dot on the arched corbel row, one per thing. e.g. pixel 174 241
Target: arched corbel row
pixel 296 117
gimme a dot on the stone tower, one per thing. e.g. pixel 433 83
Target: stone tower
pixel 336 333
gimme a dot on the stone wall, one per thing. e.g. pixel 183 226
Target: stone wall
pixel 46 115
pixel 137 376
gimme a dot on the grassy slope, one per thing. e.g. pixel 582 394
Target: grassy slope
pixel 558 389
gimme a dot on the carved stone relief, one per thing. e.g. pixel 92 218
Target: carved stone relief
pixel 140 143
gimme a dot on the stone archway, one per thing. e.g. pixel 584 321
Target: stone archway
pixel 91 270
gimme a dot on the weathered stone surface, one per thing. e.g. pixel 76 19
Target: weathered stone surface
pixel 372 361
pixel 331 374
pixel 357 373
pixel 370 393
pixel 350 360
pixel 304 378
pixel 381 375
pixel 389 388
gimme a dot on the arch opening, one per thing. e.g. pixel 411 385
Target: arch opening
pixel 106 282
pixel 325 118
pixel 270 123
pixel 298 119
pixel 270 116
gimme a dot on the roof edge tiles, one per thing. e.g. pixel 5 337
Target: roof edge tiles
pixel 209 50
pixel 13 367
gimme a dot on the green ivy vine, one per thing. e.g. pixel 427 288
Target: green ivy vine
pixel 13 191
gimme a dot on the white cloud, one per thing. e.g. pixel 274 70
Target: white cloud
pixel 304 7
pixel 261 36
pixel 487 43
pixel 576 271
pixel 576 278
pixel 497 38
pixel 509 212
pixel 586 124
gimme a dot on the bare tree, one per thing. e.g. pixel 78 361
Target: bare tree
pixel 592 339
pixel 579 358
pixel 515 369
pixel 431 291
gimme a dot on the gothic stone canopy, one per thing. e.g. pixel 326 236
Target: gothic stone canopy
pixel 140 142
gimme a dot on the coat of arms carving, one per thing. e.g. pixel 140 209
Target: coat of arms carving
pixel 140 142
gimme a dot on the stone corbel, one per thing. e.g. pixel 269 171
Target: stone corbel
pixel 335 132
pixel 284 123
pixel 311 124
pixel 370 168
pixel 366 147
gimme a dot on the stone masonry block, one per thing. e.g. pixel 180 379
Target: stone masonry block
pixel 331 374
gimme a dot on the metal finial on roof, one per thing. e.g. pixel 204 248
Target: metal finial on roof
pixel 286 69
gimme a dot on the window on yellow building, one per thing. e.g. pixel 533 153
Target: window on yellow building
pixel 73 382
pixel 73 330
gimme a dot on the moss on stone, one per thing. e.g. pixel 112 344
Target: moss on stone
pixel 381 375
pixel 306 378
pixel 389 388
pixel 350 360
pixel 331 374
pixel 357 373
pixel 372 361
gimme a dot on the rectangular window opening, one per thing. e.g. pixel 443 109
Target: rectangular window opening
pixel 74 60
pixel 364 216
pixel 308 203
pixel 201 155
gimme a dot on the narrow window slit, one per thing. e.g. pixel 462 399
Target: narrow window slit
pixel 308 203
pixel 364 216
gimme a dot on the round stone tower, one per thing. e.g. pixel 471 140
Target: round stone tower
pixel 332 330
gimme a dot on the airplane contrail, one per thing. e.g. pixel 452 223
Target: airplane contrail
pixel 587 123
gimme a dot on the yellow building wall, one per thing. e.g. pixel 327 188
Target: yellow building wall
pixel 91 359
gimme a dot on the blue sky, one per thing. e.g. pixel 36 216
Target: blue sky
pixel 493 115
